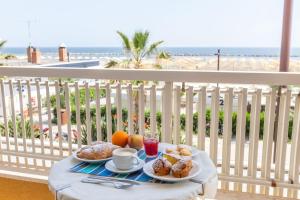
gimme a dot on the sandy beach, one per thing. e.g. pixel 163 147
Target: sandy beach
pixel 185 63
pixel 226 63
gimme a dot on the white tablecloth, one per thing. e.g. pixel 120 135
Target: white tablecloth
pixel 60 176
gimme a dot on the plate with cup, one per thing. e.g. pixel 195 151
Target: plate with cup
pixel 124 160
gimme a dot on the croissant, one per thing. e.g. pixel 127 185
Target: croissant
pixel 97 151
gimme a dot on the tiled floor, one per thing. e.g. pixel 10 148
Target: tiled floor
pixel 23 190
pixel 243 196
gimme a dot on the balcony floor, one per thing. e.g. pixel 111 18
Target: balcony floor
pixel 245 196
pixel 24 190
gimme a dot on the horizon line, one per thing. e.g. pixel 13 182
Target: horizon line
pixel 220 47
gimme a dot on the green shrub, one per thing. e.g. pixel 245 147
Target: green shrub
pixel 159 121
pixel 103 120
pixel 19 132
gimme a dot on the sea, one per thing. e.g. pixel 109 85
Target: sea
pixel 100 52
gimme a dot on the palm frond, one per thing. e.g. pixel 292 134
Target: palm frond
pixel 111 63
pixel 153 47
pixel 125 40
pixel 163 55
pixel 2 43
pixel 139 43
pixel 140 39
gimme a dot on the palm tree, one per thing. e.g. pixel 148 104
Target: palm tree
pixel 137 48
pixel 160 57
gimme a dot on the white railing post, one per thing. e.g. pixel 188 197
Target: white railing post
pixel 58 112
pixel 282 138
pixel 240 136
pixel 167 112
pixel 201 109
pixel 38 94
pixel 141 114
pixel 13 115
pixel 88 114
pixel 295 150
pixel 49 116
pixel 31 116
pixel 108 113
pixel 78 119
pixel 176 122
pixel 98 113
pixel 227 134
pixel 22 116
pixel 153 110
pixel 68 110
pixel 130 109
pixel 214 125
pixel 268 138
pixel 119 106
pixel 6 131
pixel 254 136
pixel 189 116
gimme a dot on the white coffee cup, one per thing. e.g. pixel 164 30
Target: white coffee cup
pixel 125 158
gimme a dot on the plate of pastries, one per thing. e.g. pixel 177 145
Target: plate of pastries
pixel 96 152
pixel 172 169
pixel 181 150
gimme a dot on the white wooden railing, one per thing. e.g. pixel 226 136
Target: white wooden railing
pixel 243 164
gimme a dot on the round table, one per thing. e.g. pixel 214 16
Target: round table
pixel 67 185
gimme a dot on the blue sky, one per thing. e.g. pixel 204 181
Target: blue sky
pixel 199 23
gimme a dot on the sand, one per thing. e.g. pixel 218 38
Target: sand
pixel 226 64
pixel 192 63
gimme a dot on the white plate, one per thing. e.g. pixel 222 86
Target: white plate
pixel 111 167
pixel 88 161
pixel 193 150
pixel 169 178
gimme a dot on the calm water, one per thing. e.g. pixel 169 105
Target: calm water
pixel 174 51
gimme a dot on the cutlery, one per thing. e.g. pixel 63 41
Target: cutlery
pixel 114 179
pixel 60 188
pixel 117 185
pixel 196 181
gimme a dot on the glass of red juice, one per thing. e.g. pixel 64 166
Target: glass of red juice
pixel 151 145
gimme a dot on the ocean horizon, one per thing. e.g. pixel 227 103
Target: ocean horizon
pixel 174 51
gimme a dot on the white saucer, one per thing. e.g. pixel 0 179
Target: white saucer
pixel 111 167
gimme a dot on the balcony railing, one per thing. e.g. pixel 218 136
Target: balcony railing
pixel 46 113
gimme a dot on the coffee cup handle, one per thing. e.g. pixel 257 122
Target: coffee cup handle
pixel 137 160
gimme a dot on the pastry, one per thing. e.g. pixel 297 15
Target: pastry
pixel 184 150
pixel 161 167
pixel 182 168
pixel 97 151
pixel 181 150
pixel 170 150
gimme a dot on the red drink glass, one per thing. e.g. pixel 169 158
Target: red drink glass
pixel 151 146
